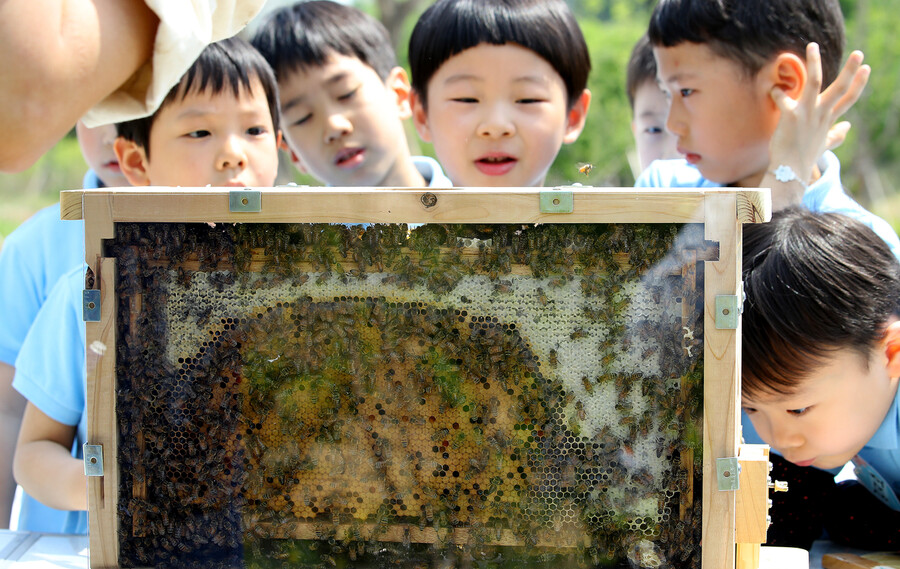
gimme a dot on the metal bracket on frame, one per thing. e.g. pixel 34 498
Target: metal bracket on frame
pixel 90 305
pixel 244 201
pixel 93 460
pixel 728 308
pixel 557 201
pixel 728 474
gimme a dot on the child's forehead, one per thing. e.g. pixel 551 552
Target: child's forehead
pixel 649 91
pixel 774 398
pixel 481 59
pixel 688 59
pixel 486 48
pixel 208 100
pixel 840 370
pixel 335 67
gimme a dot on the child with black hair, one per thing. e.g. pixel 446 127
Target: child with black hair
pixel 498 87
pixel 648 108
pixel 218 126
pixel 343 96
pixel 820 370
pixel 743 81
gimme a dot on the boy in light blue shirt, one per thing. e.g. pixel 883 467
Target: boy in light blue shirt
pixel 218 126
pixel 743 82
pixel 820 372
pixel 343 96
pixel 32 260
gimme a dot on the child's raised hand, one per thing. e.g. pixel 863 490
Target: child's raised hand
pixel 807 127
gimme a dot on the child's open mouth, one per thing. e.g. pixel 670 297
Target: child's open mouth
pixel 495 165
pixel 349 157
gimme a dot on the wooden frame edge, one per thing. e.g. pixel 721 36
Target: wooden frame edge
pixel 102 429
pixel 721 381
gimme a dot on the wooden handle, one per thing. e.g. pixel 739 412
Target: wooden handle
pixel 846 561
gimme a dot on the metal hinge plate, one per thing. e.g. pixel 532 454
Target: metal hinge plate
pixel 728 309
pixel 90 305
pixel 245 201
pixel 557 201
pixel 728 474
pixel 93 460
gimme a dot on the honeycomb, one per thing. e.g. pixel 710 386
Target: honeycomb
pixel 324 395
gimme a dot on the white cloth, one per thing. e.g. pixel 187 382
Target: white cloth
pixel 185 28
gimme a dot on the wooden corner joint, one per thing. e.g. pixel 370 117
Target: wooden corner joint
pixel 752 498
pixel 754 206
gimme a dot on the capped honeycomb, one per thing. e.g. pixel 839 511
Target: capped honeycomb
pixel 325 395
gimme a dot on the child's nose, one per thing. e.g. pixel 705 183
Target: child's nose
pixel 675 122
pixel 336 127
pixel 232 154
pixel 109 135
pixel 785 438
pixel 496 124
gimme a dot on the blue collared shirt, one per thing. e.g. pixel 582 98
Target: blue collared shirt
pixel 50 373
pixel 825 195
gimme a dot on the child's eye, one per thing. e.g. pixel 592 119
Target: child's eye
pixel 749 410
pixel 465 100
pixel 798 412
pixel 529 101
pixel 198 134
pixel 686 92
pixel 348 95
pixel 256 130
pixel 653 130
pixel 302 120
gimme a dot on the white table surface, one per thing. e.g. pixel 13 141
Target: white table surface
pixel 25 550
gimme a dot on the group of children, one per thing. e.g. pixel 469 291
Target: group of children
pixel 746 91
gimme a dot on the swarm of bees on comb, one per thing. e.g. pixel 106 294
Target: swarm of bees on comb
pixel 329 395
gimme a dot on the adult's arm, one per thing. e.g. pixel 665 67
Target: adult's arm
pixel 60 58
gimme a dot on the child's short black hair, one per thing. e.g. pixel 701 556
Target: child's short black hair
pixel 815 283
pixel 546 27
pixel 641 68
pixel 753 32
pixel 308 33
pixel 225 64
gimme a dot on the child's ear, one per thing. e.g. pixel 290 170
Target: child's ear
pixel 419 116
pixel 398 82
pixel 298 164
pixel 891 341
pixel 788 72
pixel 132 161
pixel 576 117
pixel 295 160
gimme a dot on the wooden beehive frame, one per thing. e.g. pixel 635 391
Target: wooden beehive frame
pixel 721 211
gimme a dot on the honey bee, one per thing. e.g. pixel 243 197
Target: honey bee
pixel 585 168
pixel 440 434
pixel 553 358
pixel 588 386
